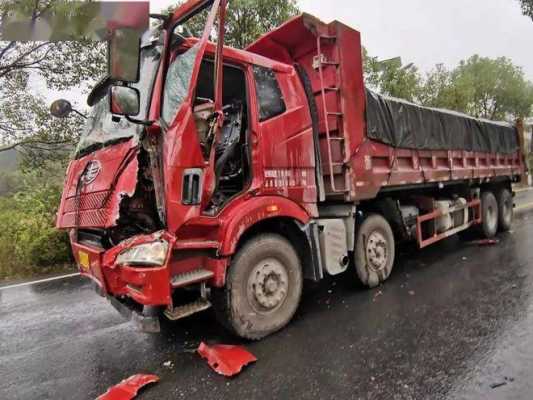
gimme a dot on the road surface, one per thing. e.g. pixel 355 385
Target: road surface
pixel 453 321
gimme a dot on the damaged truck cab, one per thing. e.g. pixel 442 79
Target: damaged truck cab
pixel 217 177
pixel 158 201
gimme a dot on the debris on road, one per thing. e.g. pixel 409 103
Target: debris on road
pixel 168 364
pixel 411 292
pixel 497 385
pixel 502 383
pixel 128 388
pixel 225 359
pixel 484 242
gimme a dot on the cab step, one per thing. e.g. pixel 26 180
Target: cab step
pixel 188 278
pixel 187 309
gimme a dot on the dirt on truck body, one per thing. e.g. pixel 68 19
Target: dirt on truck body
pixel 223 178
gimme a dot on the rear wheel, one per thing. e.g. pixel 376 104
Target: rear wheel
pixel 505 209
pixel 489 215
pixel 263 288
pixel 374 250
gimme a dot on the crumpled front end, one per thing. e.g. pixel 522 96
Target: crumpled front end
pixel 96 185
pixel 136 269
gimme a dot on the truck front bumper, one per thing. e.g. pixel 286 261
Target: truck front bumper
pixel 147 286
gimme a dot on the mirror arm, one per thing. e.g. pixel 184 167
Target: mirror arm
pixel 79 113
pixel 139 121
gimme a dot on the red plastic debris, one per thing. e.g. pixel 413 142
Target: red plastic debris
pixel 128 388
pixel 224 359
pixel 485 242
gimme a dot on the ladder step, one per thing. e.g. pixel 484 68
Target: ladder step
pixel 187 309
pixel 188 278
pixel 337 114
pixel 339 138
pixel 328 37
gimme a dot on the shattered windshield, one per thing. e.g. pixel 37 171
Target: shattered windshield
pixel 101 130
pixel 178 82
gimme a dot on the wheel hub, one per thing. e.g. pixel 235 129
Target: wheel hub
pixel 376 251
pixel 268 284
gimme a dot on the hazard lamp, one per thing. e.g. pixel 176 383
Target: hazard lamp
pixel 146 254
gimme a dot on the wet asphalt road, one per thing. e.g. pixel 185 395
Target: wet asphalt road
pixel 452 321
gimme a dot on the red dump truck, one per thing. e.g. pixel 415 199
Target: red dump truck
pixel 215 177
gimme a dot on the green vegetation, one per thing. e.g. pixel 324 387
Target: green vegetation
pixel 483 87
pixel 246 20
pixel 29 243
pixel 527 7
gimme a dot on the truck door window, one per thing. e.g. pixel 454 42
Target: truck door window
pixel 269 96
pixel 177 83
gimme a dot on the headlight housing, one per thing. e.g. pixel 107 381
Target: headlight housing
pixel 146 254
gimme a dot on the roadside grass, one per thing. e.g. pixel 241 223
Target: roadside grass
pixel 30 245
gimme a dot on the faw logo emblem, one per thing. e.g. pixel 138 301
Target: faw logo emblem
pixel 92 170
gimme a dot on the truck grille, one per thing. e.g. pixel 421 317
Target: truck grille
pixel 88 201
pixel 90 209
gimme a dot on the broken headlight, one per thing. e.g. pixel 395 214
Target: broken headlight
pixel 148 254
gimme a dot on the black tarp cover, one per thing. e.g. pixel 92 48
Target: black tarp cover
pixel 406 125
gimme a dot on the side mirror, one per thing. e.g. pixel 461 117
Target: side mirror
pixel 61 108
pixel 124 100
pixel 123 55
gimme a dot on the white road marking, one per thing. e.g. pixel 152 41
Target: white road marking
pixel 523 189
pixel 55 278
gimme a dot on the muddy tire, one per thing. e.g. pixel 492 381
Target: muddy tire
pixel 263 288
pixel 505 209
pixel 374 250
pixel 489 215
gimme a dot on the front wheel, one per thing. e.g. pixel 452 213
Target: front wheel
pixel 374 250
pixel 263 288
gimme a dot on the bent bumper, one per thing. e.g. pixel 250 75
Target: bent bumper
pixel 146 286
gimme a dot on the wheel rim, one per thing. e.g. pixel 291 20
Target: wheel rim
pixel 376 251
pixel 268 285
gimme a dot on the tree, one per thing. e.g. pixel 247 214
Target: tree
pixel 527 7
pixel 246 20
pixel 25 122
pixel 438 90
pixel 391 77
pixel 482 87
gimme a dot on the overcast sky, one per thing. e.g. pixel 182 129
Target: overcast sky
pixel 425 32
pixel 428 32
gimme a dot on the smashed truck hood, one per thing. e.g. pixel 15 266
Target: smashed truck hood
pixel 95 186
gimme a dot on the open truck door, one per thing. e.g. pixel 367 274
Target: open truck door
pixel 177 112
pixel 212 110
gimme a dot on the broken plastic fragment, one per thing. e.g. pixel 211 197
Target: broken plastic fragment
pixel 224 359
pixel 128 388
